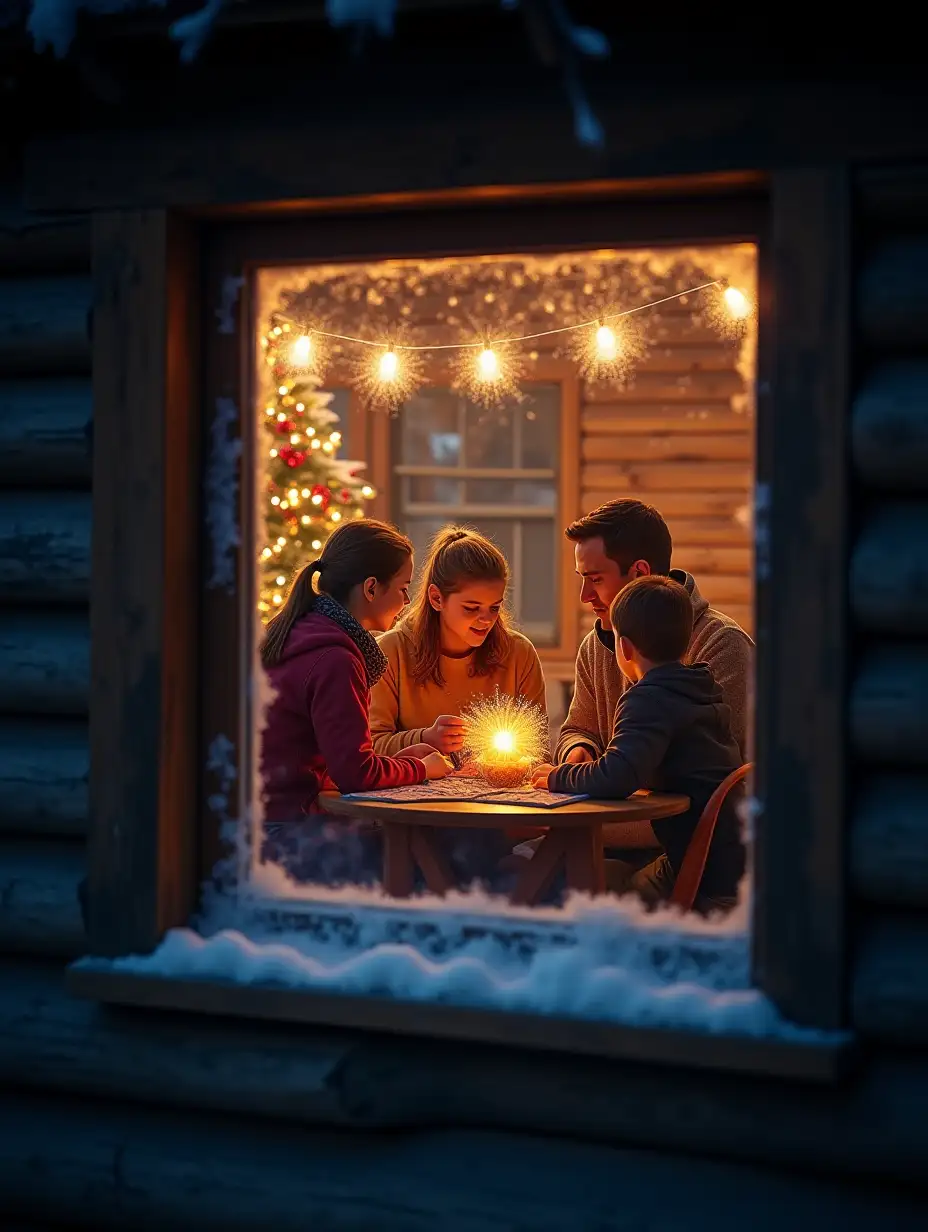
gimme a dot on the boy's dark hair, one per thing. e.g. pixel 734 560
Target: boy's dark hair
pixel 656 615
pixel 630 531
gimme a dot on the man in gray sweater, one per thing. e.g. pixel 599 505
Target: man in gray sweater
pixel 616 543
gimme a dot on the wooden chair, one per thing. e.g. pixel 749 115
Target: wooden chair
pixel 694 862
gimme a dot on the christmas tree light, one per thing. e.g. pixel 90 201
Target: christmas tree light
pixel 308 489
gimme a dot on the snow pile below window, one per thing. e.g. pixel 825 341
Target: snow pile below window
pixel 603 960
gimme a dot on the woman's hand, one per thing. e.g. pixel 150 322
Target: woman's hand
pixel 420 751
pixel 446 734
pixel 436 767
pixel 540 776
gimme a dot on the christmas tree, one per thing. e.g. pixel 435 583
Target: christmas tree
pixel 308 490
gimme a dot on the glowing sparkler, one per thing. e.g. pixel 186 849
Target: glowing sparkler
pixel 505 737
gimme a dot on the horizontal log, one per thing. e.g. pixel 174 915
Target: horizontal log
pixel 44 767
pixel 45 432
pixel 629 419
pixel 39 908
pixel 121 1166
pixel 44 547
pixel 892 294
pixel 727 504
pixel 894 195
pixel 889 840
pixel 721 591
pixel 890 986
pixel 696 387
pixel 889 706
pixel 39 244
pixel 634 477
pixel 52 1042
pixel 44 663
pixel 45 325
pixel 889 427
pixel 889 570
pixel 668 447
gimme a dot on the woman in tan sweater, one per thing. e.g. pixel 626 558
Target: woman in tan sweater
pixel 453 645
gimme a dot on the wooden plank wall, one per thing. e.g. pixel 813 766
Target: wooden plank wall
pixel 681 437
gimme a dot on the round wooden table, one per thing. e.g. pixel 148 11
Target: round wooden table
pixel 572 837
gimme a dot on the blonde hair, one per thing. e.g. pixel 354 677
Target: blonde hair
pixel 354 551
pixel 456 557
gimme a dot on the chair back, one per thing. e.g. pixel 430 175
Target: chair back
pixel 694 862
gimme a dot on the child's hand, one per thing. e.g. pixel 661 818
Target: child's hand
pixel 540 776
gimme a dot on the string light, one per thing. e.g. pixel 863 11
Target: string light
pixel 730 312
pixel 389 366
pixel 737 303
pixel 388 378
pixel 607 345
pixel 488 365
pixel 302 351
pixel 609 353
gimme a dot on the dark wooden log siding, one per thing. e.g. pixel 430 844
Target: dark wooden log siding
pixel 55 1048
pixel 889 604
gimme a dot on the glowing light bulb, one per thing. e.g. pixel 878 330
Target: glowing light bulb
pixel 266 553
pixel 335 438
pixel 336 516
pixel 301 407
pixel 310 431
pixel 316 442
pixel 504 742
pixel 275 500
pixel 282 389
pixel 277 600
pixel 281 417
pixel 281 540
pixel 277 331
pixel 737 303
pixel 327 447
pixel 367 490
pixel 293 496
pixel 302 351
pixel 317 499
pixel 272 453
pixel 269 411
pixel 488 365
pixel 305 494
pixel 294 438
pixel 316 545
pixel 389 366
pixel 607 345
pixel 305 519
pixel 281 581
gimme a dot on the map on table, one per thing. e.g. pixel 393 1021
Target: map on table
pixel 533 799
pixel 475 790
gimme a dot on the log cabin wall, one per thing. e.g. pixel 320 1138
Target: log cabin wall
pixel 889 601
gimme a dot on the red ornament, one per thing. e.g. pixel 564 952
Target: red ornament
pixel 285 427
pixel 346 496
pixel 292 457
pixel 320 490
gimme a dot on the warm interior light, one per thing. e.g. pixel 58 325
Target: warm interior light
pixel 504 742
pixel 389 366
pixel 302 350
pixel 607 346
pixel 488 365
pixel 737 303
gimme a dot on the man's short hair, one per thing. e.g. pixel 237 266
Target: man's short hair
pixel 630 531
pixel 656 615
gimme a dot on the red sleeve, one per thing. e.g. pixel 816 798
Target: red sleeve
pixel 339 703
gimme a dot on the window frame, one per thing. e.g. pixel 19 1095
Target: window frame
pixel 149 266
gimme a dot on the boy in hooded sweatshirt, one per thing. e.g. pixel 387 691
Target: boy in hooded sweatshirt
pixel 672 733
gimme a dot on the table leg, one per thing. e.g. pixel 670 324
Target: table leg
pixel 431 859
pixel 540 870
pixel 398 867
pixel 586 868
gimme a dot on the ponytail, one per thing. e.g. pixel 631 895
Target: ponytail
pixel 354 551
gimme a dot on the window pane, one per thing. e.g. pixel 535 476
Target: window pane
pixel 429 430
pixel 421 531
pixel 539 578
pixel 339 405
pixel 539 417
pixel 489 437
pixel 540 492
pixel 434 490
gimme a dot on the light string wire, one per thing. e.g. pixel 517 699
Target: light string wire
pixel 463 346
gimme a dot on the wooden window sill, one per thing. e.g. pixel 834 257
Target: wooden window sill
pixel 818 1062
